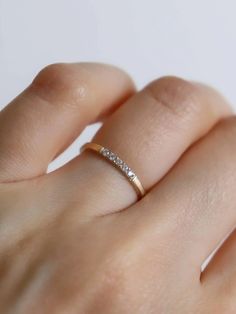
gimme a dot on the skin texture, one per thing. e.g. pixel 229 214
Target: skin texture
pixel 76 241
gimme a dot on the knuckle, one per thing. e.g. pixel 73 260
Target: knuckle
pixel 178 96
pixel 118 270
pixel 62 84
pixel 115 271
pixel 114 281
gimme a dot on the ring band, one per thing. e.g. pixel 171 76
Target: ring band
pixel 118 163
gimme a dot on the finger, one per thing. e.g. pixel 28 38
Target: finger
pixel 150 133
pixel 52 111
pixel 197 198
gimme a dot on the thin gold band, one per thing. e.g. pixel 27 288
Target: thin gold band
pixel 119 163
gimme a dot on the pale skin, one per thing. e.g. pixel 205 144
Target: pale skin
pixel 77 241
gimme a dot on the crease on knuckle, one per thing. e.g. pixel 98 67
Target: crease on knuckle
pixel 179 97
pixel 62 85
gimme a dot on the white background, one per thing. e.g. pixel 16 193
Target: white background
pixel 148 38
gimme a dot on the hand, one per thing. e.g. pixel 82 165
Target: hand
pixel 76 240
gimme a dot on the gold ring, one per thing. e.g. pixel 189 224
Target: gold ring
pixel 118 163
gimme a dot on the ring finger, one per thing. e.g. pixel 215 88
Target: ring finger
pixel 150 133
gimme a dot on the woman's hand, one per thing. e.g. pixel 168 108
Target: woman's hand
pixel 76 240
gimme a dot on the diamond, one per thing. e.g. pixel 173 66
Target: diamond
pixel 118 161
pixel 125 168
pixel 112 156
pixel 105 152
pixel 130 174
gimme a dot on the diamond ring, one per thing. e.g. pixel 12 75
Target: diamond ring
pixel 118 163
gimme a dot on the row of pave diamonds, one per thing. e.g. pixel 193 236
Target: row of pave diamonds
pixel 118 162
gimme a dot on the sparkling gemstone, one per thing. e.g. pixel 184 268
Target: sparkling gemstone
pixel 131 175
pixel 118 161
pixel 112 156
pixel 105 152
pixel 125 168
